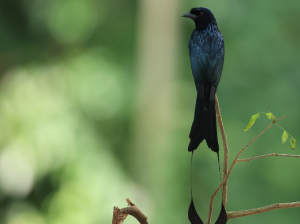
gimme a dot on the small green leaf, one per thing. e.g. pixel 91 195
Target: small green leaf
pixel 293 143
pixel 284 137
pixel 270 116
pixel 251 122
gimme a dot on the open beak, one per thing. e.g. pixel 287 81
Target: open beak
pixel 189 15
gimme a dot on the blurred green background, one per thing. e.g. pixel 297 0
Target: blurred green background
pixel 97 99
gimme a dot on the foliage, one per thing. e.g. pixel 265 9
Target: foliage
pixel 285 134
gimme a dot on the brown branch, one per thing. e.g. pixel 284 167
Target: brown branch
pixel 262 156
pixel 238 214
pixel 225 148
pixel 119 215
pixel 231 167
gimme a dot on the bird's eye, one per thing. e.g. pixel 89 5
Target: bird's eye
pixel 201 14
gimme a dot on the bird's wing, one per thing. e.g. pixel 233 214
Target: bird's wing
pixel 215 74
pixel 199 64
pixel 199 67
pixel 207 64
pixel 216 62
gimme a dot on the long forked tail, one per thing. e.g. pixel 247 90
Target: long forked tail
pixel 204 124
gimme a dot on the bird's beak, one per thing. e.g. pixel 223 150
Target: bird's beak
pixel 189 15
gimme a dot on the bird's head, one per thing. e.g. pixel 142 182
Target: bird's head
pixel 202 17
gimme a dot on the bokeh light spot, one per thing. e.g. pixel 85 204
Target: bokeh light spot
pixel 16 172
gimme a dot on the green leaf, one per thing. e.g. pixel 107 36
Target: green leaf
pixel 293 143
pixel 251 122
pixel 284 137
pixel 270 116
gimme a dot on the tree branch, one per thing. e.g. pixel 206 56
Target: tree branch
pixel 225 148
pixel 262 156
pixel 238 214
pixel 119 215
pixel 231 167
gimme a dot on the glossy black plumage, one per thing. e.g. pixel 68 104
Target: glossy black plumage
pixel 206 50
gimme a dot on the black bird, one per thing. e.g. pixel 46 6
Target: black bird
pixel 206 49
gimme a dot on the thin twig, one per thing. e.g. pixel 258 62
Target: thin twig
pixel 238 214
pixel 225 148
pixel 262 156
pixel 120 215
pixel 231 167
